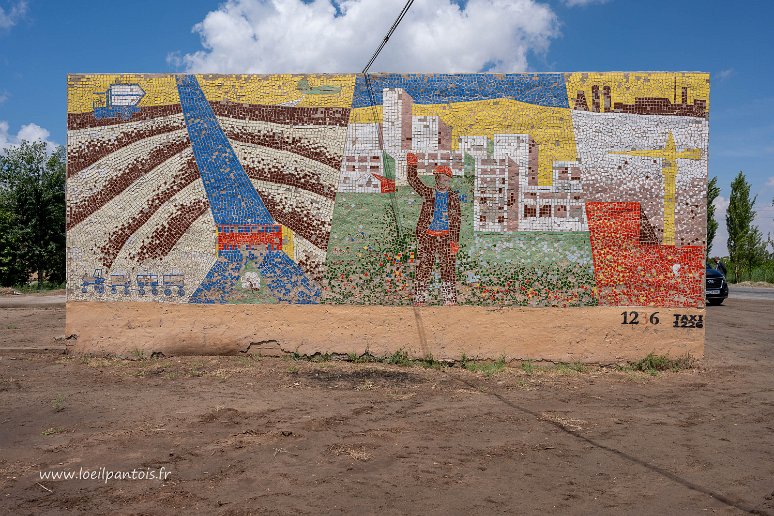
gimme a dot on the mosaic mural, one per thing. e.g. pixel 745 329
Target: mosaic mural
pixel 554 189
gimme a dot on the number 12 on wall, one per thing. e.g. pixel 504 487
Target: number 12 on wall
pixel 634 318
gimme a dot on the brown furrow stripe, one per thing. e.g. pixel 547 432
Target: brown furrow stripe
pixel 184 177
pixel 283 114
pixel 116 185
pixel 92 152
pixel 301 221
pixel 285 142
pixel 166 236
pixel 86 120
pixel 301 179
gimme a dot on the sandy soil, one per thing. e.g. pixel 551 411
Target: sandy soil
pixel 248 436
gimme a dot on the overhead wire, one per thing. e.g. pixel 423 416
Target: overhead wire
pixel 389 33
pixel 393 201
pixel 372 101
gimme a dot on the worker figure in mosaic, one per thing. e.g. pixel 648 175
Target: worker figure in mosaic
pixel 438 231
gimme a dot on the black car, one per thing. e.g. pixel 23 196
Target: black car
pixel 716 290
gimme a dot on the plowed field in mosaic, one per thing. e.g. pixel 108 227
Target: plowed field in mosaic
pixel 284 436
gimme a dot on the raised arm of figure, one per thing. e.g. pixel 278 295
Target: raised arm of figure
pixel 411 174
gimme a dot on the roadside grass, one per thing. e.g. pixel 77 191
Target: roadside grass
pixel 31 288
pixel 571 367
pixel 487 368
pixel 141 365
pixel 58 403
pixel 653 364
pixel 53 431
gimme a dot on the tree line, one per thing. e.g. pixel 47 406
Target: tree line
pixel 32 220
pixel 748 249
pixel 32 215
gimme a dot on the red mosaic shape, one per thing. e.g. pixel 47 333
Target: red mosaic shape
pixel 630 273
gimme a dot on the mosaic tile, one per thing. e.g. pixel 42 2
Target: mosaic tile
pixel 575 189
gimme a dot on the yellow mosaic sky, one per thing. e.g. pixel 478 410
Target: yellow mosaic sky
pixel 626 86
pixel 551 128
pixel 252 89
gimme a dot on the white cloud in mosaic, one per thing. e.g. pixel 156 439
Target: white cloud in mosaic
pixel 258 36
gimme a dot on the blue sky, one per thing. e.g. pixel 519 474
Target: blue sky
pixel 41 41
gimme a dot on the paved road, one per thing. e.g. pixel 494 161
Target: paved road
pixel 25 301
pixel 763 294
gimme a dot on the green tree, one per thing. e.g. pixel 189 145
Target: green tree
pixel 745 241
pixel 12 271
pixel 32 204
pixel 713 190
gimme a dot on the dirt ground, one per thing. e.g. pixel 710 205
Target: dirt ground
pixel 242 435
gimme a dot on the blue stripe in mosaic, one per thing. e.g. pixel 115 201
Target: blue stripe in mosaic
pixel 284 278
pixel 220 280
pixel 233 200
pixel 544 89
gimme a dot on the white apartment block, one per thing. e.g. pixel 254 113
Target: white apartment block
pixel 362 138
pixel 429 134
pixel 495 195
pixel 476 146
pixel 559 207
pixel 357 169
pixel 359 183
pixel 397 120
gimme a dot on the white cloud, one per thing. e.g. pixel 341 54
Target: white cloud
pixel 764 219
pixel 770 182
pixel 29 132
pixel 11 16
pixel 720 242
pixel 270 36
pixel 582 3
pixel 3 96
pixel 725 74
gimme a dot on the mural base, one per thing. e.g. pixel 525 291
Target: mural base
pixel 593 334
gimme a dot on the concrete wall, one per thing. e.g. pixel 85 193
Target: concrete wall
pixel 209 212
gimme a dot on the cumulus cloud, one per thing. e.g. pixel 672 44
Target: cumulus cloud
pixel 29 132
pixel 265 36
pixel 10 16
pixel 582 3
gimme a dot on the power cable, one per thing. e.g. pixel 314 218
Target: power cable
pixel 372 99
pixel 393 200
pixel 389 33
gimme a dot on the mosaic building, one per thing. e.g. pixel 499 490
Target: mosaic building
pixel 516 190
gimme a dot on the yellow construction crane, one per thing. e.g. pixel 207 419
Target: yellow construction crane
pixel 669 156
